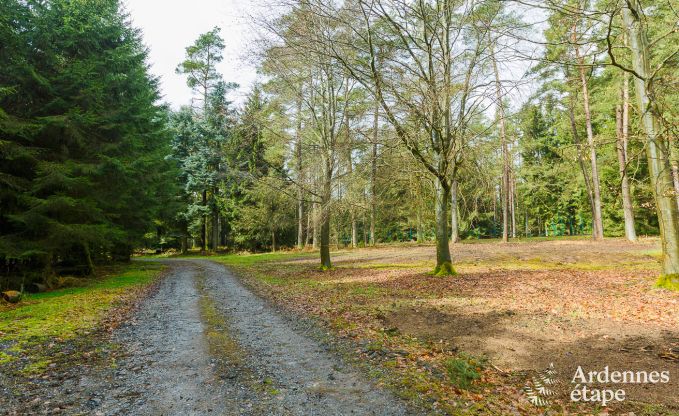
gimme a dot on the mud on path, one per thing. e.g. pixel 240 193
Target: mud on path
pixel 203 344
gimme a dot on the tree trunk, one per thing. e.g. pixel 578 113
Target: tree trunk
pixel 527 231
pixel 214 222
pixel 454 218
pixel 317 226
pixel 598 227
pixel 352 211
pixel 444 263
pixel 420 226
pixel 309 227
pixel 512 195
pixel 354 230
pixel 203 226
pixel 674 162
pixel 325 216
pixel 581 162
pixel 88 259
pixel 325 226
pixel 657 149
pixel 215 230
pixel 273 241
pixel 300 176
pixel 184 237
pixel 500 114
pixel 621 117
pixel 373 174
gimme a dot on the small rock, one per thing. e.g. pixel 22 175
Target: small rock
pixel 11 296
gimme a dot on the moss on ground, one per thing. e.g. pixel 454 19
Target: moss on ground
pixel 221 345
pixel 444 269
pixel 66 314
pixel 669 281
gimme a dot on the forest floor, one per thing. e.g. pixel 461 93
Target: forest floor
pixel 472 342
pixel 271 334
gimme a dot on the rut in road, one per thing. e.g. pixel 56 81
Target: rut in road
pixel 205 344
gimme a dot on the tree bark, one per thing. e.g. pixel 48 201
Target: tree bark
pixel 657 149
pixel 215 230
pixel 309 227
pixel 420 227
pixel 581 162
pixel 512 195
pixel 373 174
pixel 674 162
pixel 350 171
pixel 325 214
pixel 598 227
pixel 500 114
pixel 316 220
pixel 300 176
pixel 203 227
pixel 454 219
pixel 185 237
pixel 444 262
pixel 621 117
pixel 527 231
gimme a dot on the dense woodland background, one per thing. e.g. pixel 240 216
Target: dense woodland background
pixel 374 122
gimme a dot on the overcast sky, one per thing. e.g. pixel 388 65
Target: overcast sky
pixel 169 26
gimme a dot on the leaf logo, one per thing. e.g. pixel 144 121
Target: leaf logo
pixel 541 387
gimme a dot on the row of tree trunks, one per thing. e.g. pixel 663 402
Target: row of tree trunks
pixel 657 149
pixel 622 130
pixel 500 116
pixel 350 168
pixel 373 173
pixel 300 175
pixel 597 219
pixel 578 147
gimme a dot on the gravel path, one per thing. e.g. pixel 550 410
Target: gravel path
pixel 204 344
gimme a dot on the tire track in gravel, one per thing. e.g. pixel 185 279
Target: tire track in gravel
pixel 166 369
pixel 204 344
pixel 307 378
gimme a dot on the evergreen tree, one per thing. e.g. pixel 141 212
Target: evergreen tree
pixel 81 135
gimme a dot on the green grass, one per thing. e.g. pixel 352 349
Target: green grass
pixel 252 259
pixel 66 313
pixel 464 370
pixel 368 291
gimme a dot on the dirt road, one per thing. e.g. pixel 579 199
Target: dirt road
pixel 203 344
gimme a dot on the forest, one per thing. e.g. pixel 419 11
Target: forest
pixel 373 122
pixel 468 199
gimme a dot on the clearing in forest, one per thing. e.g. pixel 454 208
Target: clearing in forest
pixel 474 340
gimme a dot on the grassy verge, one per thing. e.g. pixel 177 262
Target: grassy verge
pixel 34 332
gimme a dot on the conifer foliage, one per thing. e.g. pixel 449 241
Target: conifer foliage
pixel 82 171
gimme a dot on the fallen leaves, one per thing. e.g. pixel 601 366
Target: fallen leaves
pixel 557 292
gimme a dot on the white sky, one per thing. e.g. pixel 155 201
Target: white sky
pixel 169 26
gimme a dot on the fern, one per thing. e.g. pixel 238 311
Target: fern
pixel 540 387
